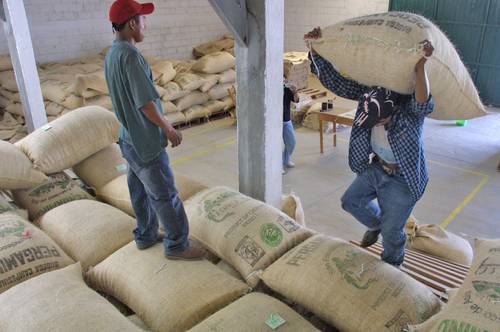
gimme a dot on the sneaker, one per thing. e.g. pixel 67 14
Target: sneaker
pixel 290 164
pixel 190 254
pixel 144 246
pixel 283 171
pixel 369 238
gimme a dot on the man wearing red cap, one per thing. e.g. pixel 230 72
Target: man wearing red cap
pixel 144 134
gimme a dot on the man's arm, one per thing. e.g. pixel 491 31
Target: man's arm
pixel 295 95
pixel 143 93
pixel 153 114
pixel 333 80
pixel 328 75
pixel 423 104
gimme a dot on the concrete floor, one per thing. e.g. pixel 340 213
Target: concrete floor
pixel 463 192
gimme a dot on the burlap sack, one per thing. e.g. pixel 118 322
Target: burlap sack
pixel 11 96
pixel 382 49
pixel 72 102
pixel 57 190
pixel 6 205
pixel 16 171
pixel 189 81
pixel 219 91
pixel 5 62
pixel 228 76
pixel 8 80
pixel 88 94
pixel 169 107
pixel 436 241
pixel 194 98
pixel 196 112
pixel 176 118
pixel 244 232
pixel 214 63
pixel 102 167
pixel 228 102
pixel 88 231
pixel 475 305
pixel 296 68
pixel 161 91
pixel 54 109
pixel 226 267
pixel 102 101
pixel 59 301
pixel 210 81
pixel 212 47
pixel 250 313
pixel 183 66
pixel 163 72
pixel 173 91
pixel 176 296
pixel 349 288
pixel 8 122
pixel 15 108
pixel 138 322
pixel 117 194
pixel 25 252
pixel 292 207
pixel 214 106
pixel 311 120
pixel 4 102
pixel 7 134
pixel 93 82
pixel 71 138
pixel 55 91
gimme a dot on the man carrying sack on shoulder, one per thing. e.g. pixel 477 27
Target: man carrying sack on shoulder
pixel 385 151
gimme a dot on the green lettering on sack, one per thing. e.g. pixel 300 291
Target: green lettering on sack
pixel 275 321
pixel 271 235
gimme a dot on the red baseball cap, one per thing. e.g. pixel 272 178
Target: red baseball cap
pixel 123 10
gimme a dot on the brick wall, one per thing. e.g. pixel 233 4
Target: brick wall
pixel 302 16
pixel 66 29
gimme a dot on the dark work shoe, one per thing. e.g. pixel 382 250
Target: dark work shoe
pixel 193 253
pixel 144 246
pixel 369 238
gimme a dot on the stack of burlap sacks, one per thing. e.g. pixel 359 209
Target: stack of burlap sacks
pixel 196 89
pixel 190 90
pixel 326 277
pixel 226 43
pixel 65 87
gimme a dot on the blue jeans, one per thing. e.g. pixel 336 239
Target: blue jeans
pixel 289 139
pixel 154 197
pixel 388 213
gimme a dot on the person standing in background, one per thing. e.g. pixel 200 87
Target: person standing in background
pixel 289 95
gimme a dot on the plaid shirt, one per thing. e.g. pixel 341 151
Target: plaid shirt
pixel 404 135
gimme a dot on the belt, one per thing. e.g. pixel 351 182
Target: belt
pixel 391 169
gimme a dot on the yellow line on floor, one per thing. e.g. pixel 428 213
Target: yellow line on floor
pixel 208 130
pixel 203 152
pixel 465 202
pixel 466 170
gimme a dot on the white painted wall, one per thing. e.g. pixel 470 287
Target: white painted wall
pixel 66 29
pixel 302 16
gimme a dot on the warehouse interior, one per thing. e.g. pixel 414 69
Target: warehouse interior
pixel 52 57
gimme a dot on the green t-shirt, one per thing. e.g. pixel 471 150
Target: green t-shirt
pixel 131 86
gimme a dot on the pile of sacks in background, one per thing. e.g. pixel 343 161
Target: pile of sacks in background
pixel 190 90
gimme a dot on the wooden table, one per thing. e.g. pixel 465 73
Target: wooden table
pixel 336 116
